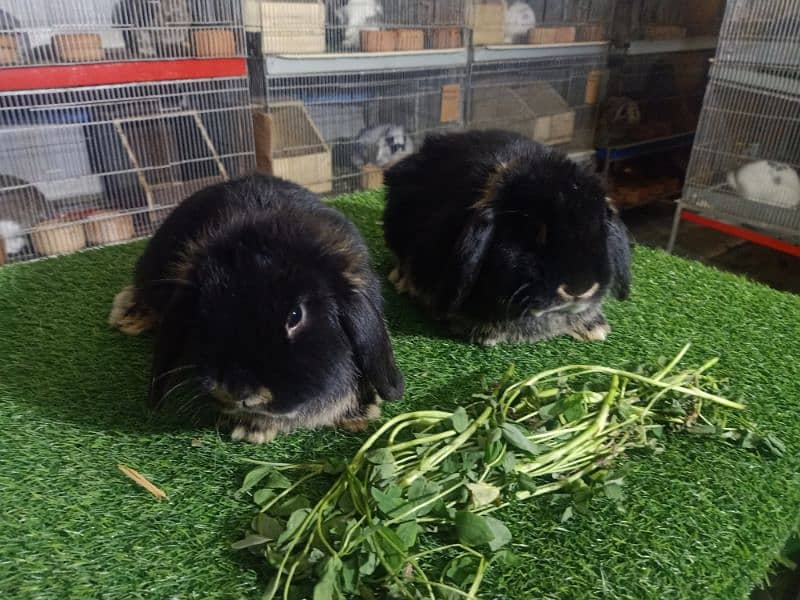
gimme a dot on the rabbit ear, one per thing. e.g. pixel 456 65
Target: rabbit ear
pixel 169 346
pixel 466 259
pixel 363 323
pixel 619 253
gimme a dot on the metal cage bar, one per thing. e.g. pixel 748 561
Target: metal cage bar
pixel 553 101
pixel 342 26
pixel 43 32
pixel 95 165
pixel 746 156
pixel 337 132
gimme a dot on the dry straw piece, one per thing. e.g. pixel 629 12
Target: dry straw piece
pixel 141 481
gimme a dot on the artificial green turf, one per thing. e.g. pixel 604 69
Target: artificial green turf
pixel 703 520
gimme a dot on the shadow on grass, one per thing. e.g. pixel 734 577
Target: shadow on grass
pixel 61 359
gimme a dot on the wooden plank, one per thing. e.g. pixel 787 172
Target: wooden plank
pixel 135 162
pixel 210 144
pixel 451 103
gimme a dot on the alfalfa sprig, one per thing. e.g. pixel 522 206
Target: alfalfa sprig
pixel 414 514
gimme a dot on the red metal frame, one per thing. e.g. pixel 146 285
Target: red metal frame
pixel 745 234
pixel 78 75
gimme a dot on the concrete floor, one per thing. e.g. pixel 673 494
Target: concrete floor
pixel 650 225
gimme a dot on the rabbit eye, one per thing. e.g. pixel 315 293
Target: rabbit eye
pixel 295 317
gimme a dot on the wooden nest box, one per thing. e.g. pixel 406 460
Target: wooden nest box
pixel 289 145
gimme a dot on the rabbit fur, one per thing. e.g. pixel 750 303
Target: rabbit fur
pixel 767 182
pixel 520 19
pixel 266 297
pixel 504 239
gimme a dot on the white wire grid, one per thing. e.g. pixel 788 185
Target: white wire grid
pixel 553 101
pixel 667 19
pixel 653 96
pixel 41 32
pixel 334 26
pixel 96 165
pixel 314 26
pixel 337 132
pixel 746 156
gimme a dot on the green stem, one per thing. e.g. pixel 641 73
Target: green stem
pixel 424 440
pixel 294 486
pixel 401 517
pixel 476 583
pixel 419 415
pixel 589 433
pixel 672 364
pixel 432 461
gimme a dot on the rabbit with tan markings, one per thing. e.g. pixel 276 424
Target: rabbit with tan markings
pixel 265 298
pixel 505 239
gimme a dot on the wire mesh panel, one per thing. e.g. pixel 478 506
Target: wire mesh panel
pixel 540 21
pixel 337 133
pixel 761 33
pixel 746 156
pixel 653 96
pixel 40 32
pixel 95 165
pixel 667 19
pixel 553 101
pixel 314 26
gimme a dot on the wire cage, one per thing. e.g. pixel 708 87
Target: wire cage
pixel 666 19
pixel 317 26
pixel 746 155
pixel 553 101
pixel 44 32
pixel 314 26
pixel 653 97
pixel 337 132
pixel 540 21
pixel 97 165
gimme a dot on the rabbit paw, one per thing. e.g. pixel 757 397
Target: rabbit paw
pixel 360 421
pixel 128 315
pixel 254 432
pixel 596 330
pixel 400 281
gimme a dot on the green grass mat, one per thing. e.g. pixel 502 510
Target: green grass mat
pixel 704 520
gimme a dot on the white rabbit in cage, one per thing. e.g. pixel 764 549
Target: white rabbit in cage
pixel 354 15
pixel 382 145
pixel 767 182
pixel 520 19
pixel 21 207
pixel 11 232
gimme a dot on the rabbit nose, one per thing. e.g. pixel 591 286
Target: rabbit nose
pixel 570 295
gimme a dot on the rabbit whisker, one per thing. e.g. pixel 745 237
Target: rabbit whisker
pixel 510 300
pixel 179 385
pixel 171 371
pixel 186 404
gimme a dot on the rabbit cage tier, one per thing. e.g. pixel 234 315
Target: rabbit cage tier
pixel 653 96
pixel 338 132
pixel 746 155
pixel 41 32
pixel 553 101
pixel 112 160
pixel 666 19
pixel 314 26
pixel 541 21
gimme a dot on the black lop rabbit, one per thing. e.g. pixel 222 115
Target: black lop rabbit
pixel 504 238
pixel 267 297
